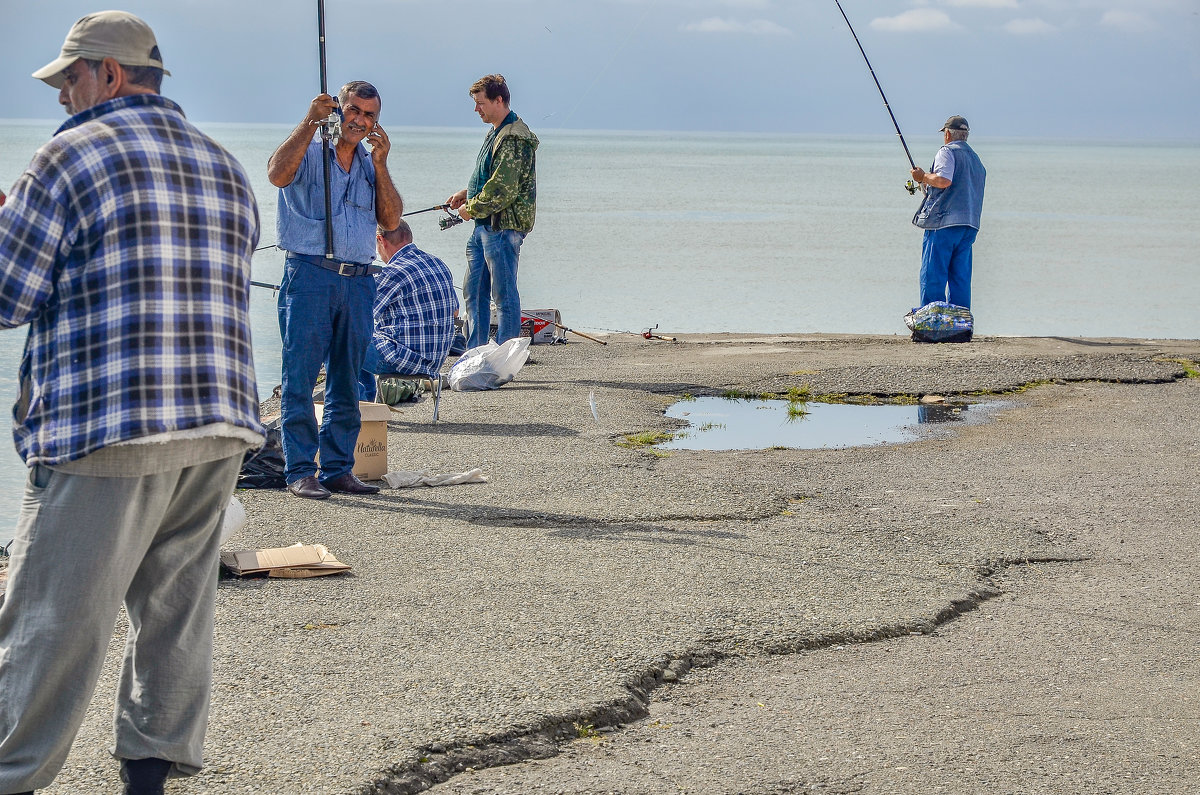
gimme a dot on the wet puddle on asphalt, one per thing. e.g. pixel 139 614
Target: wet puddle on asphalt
pixel 718 423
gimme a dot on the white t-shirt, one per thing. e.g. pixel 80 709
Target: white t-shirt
pixel 943 164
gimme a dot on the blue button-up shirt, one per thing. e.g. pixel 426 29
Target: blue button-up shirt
pixel 301 216
pixel 126 247
pixel 414 311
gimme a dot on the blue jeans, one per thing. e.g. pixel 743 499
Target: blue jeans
pixel 946 262
pixel 492 274
pixel 372 366
pixel 325 319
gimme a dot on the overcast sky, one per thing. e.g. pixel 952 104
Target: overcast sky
pixel 1127 69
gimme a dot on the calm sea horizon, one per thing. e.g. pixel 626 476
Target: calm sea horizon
pixel 770 233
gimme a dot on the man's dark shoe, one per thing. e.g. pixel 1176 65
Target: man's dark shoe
pixel 144 776
pixel 348 484
pixel 309 488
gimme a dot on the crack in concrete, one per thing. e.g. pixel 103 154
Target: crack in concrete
pixel 438 763
pixel 540 519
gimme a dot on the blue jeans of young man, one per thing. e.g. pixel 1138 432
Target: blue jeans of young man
pixel 325 319
pixel 492 274
pixel 946 262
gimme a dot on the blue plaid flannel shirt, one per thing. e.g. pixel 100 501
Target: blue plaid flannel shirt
pixel 414 311
pixel 126 247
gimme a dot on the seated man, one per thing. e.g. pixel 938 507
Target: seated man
pixel 415 305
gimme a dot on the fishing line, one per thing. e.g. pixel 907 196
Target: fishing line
pixel 450 220
pixel 910 186
pixel 603 69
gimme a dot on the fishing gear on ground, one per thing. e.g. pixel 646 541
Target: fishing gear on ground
pixel 547 322
pixel 650 335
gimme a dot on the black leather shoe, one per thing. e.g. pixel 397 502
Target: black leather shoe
pixel 144 776
pixel 348 484
pixel 309 488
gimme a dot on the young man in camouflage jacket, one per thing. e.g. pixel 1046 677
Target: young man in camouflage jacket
pixel 501 197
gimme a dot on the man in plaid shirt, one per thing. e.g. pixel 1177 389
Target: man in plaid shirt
pixel 415 306
pixel 125 246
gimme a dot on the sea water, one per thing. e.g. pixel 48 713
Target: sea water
pixel 709 232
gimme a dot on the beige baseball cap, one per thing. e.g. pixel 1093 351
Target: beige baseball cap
pixel 105 34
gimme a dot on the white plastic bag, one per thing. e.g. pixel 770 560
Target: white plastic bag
pixel 489 366
pixel 235 518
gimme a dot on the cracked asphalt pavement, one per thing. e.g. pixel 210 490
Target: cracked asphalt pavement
pixel 1005 606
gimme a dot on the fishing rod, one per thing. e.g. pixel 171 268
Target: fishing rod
pixel 525 317
pixel 326 135
pixel 445 223
pixel 450 220
pixel 428 210
pixel 910 186
pixel 276 287
pixel 650 335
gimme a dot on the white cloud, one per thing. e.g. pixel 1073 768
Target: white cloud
pixel 756 27
pixel 1030 27
pixel 1127 21
pixel 691 4
pixel 916 20
pixel 981 3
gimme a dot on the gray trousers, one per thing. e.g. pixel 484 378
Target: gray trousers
pixel 83 546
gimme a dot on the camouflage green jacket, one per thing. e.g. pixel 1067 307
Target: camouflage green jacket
pixel 509 197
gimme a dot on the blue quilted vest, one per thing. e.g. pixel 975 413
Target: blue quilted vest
pixel 961 204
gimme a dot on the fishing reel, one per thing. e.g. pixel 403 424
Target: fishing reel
pixel 650 335
pixel 331 127
pixel 451 220
pixel 911 187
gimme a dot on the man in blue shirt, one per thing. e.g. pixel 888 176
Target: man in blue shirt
pixel 950 216
pixel 325 303
pixel 125 247
pixel 415 304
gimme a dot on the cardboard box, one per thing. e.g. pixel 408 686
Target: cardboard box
pixel 370 452
pixel 294 562
pixel 542 328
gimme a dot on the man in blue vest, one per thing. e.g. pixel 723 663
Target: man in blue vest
pixel 950 216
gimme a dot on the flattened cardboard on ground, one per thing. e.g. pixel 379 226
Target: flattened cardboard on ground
pixel 370 451
pixel 294 562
